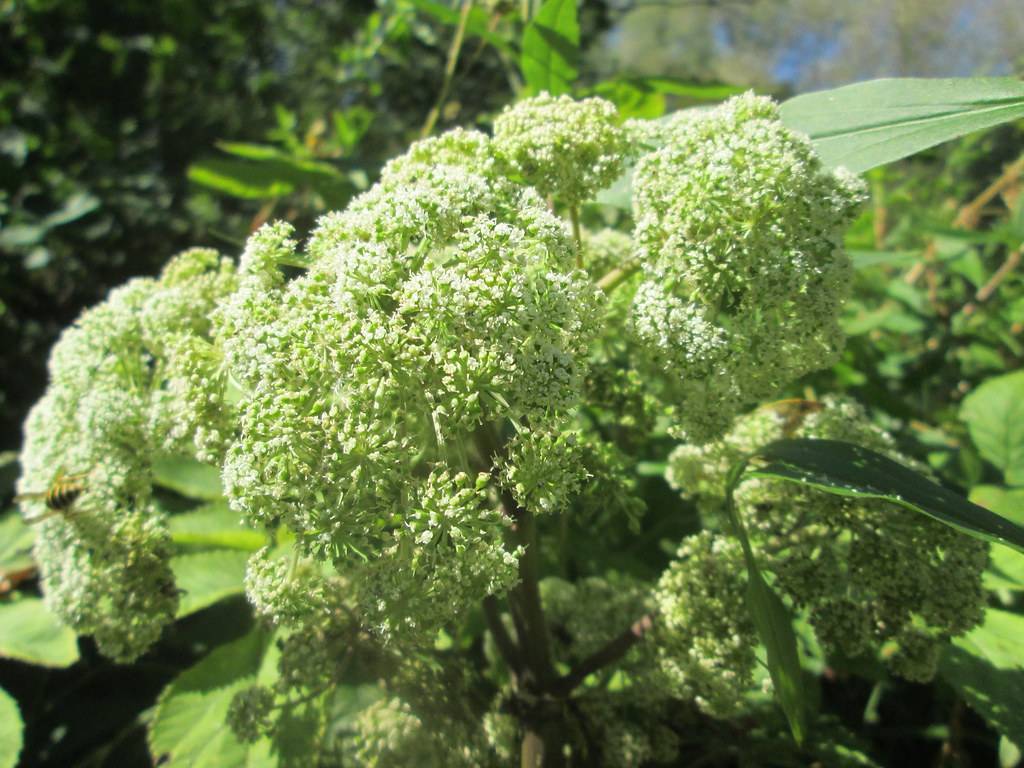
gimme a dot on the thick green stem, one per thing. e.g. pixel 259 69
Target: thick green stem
pixel 574 217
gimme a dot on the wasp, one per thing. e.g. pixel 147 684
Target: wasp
pixel 59 498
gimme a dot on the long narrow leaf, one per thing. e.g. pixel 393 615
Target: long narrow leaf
pixel 851 470
pixel 774 626
pixel 864 125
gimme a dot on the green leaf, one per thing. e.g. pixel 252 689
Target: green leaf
pixel 851 470
pixel 188 477
pixel 250 181
pixel 188 727
pixel 994 414
pixel 985 667
pixel 863 259
pixel 774 626
pixel 214 526
pixel 15 543
pixel 10 730
pixel 864 125
pixel 30 633
pixel 551 44
pixel 208 577
pixel 1006 566
pixel 476 26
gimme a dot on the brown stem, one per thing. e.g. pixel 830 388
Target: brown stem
pixel 611 652
pixel 985 292
pixel 969 215
pixel 449 70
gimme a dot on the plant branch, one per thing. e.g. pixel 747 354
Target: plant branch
pixel 449 70
pixel 506 645
pixel 969 215
pixel 617 276
pixel 611 652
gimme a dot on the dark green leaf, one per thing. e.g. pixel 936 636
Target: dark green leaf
pixel 10 731
pixel 188 477
pixel 30 633
pixel 864 125
pixel 551 48
pixel 774 627
pixel 994 414
pixel 851 470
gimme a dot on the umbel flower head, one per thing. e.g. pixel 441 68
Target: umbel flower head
pixel 442 302
pixel 867 573
pixel 739 231
pixel 104 419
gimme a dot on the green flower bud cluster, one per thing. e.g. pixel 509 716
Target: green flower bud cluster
pixel 108 413
pixel 441 301
pixel 564 148
pixel 739 231
pixel 868 574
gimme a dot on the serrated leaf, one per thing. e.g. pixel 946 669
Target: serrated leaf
pixel 30 633
pixel 11 727
pixel 985 667
pixel 864 125
pixel 550 48
pixel 994 414
pixel 188 728
pixel 774 627
pixel 208 577
pixel 188 477
pixel 852 470
pixel 215 526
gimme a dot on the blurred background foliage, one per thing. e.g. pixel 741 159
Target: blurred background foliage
pixel 130 130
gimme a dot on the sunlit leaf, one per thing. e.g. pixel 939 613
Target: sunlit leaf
pixel 188 477
pixel 987 668
pixel 551 48
pixel 208 577
pixel 10 730
pixel 214 526
pixel 864 125
pixel 852 470
pixel 188 727
pixel 994 414
pixel 1006 566
pixel 30 633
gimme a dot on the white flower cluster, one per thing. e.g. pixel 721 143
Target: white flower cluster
pixel 440 302
pixel 866 573
pixel 739 231
pixel 565 148
pixel 109 412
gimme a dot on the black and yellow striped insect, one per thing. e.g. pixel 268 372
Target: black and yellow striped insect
pixel 59 498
